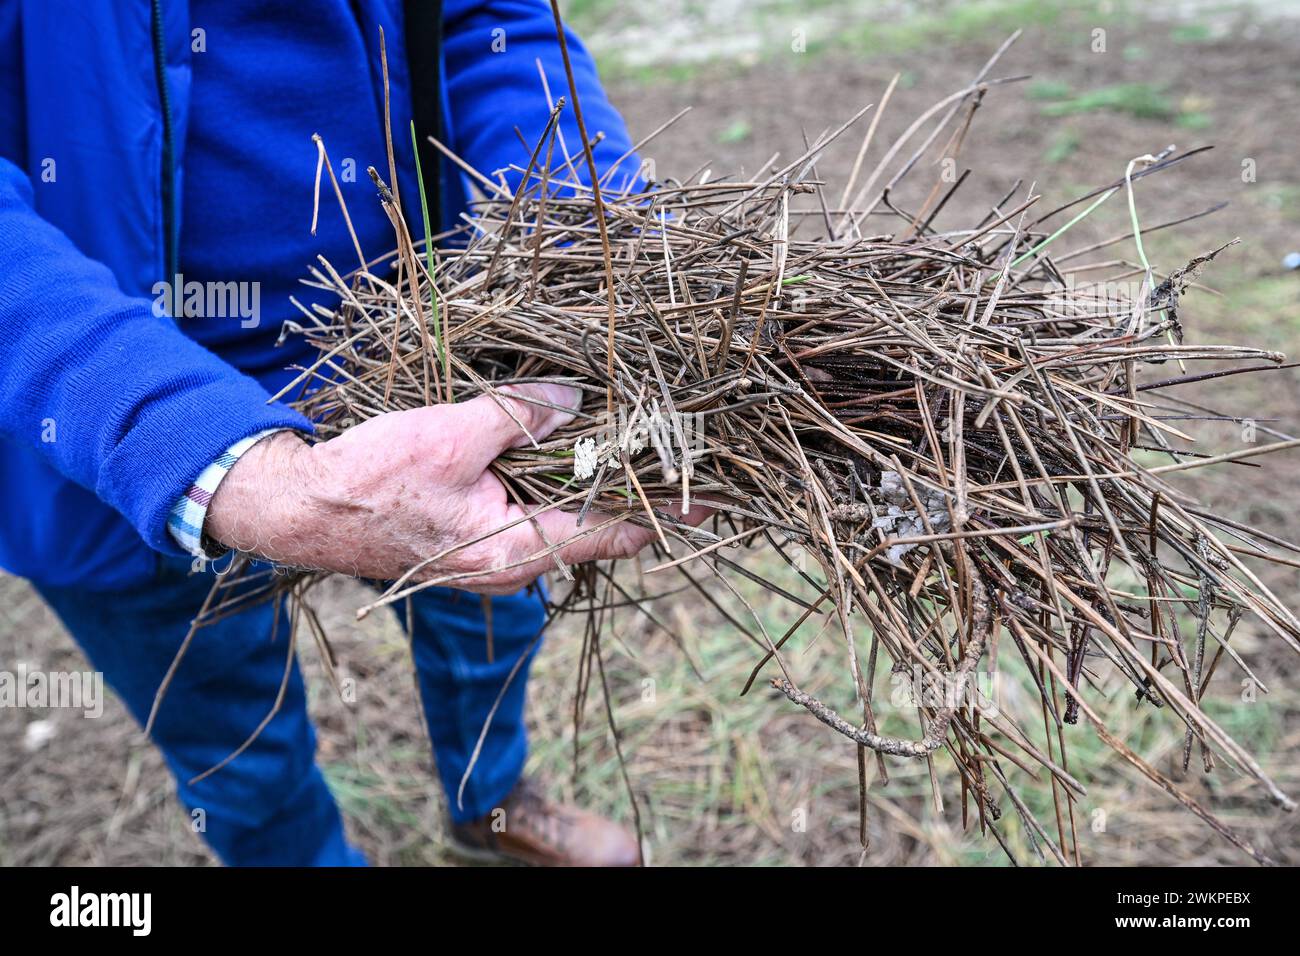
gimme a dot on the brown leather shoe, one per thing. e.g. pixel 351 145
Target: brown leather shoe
pixel 530 829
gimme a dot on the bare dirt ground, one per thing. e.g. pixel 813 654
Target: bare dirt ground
pixel 752 781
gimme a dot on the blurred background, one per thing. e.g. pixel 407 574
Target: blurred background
pixel 725 780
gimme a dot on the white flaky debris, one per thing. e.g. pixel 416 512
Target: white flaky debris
pixel 589 454
pixel 585 459
pixel 900 518
pixel 646 428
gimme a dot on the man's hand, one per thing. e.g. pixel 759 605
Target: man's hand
pixel 405 486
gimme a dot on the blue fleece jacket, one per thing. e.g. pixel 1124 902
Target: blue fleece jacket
pixel 125 126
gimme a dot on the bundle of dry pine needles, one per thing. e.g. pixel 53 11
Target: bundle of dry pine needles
pixel 958 442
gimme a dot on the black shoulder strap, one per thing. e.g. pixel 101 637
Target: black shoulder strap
pixel 423 27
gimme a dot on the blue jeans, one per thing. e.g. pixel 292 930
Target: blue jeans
pixel 270 805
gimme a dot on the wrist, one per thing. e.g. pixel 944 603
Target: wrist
pixel 261 506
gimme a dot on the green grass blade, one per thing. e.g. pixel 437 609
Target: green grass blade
pixel 1062 231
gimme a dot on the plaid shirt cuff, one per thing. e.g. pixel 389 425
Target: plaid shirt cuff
pixel 188 514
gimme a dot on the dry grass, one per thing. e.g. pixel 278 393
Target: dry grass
pixel 752 763
pixel 957 436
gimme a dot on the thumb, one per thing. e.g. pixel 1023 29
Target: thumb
pixel 513 416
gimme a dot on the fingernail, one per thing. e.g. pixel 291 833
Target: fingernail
pixel 566 396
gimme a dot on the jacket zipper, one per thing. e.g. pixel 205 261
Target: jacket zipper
pixel 169 146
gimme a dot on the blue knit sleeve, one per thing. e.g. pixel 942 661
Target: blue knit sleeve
pixel 491 50
pixel 139 409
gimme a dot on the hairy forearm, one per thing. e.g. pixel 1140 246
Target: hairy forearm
pixel 268 504
pixel 340 505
